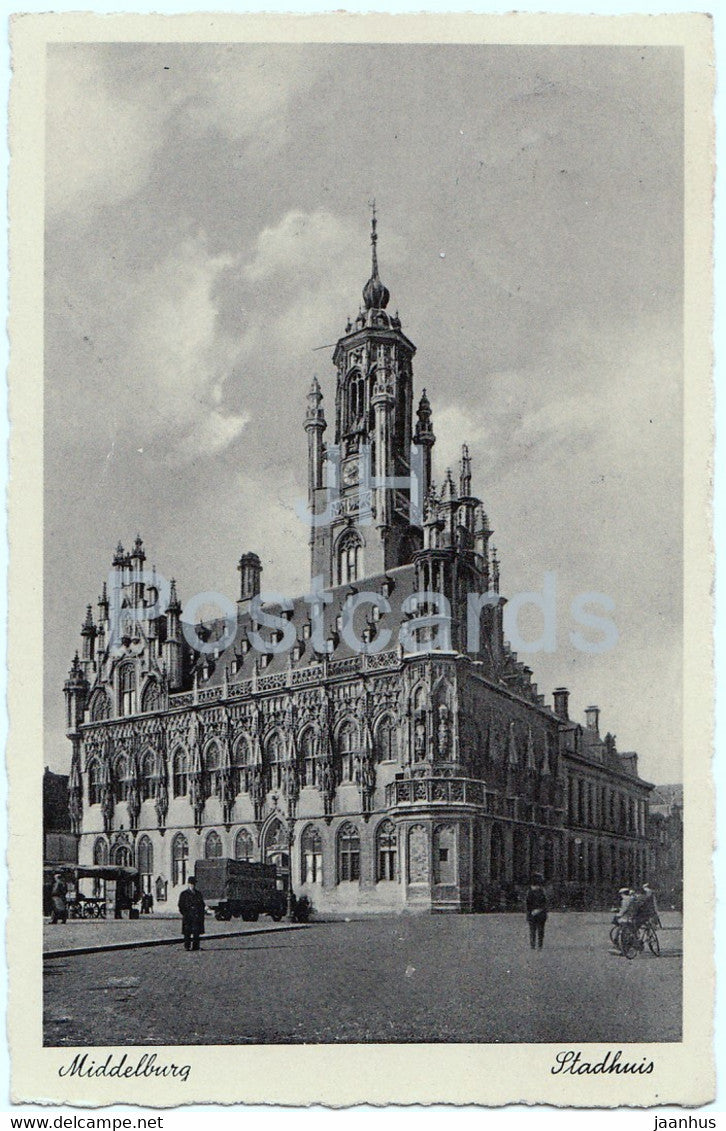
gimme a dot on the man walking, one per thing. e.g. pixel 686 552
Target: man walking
pixel 59 896
pixel 191 909
pixel 536 911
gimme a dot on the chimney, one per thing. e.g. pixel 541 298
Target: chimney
pixel 592 718
pixel 561 695
pixel 250 568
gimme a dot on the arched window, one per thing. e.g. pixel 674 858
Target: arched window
pixel 179 772
pixel 211 768
pixel 126 689
pixel 121 774
pixel 100 706
pixel 94 779
pixel 212 846
pixel 311 856
pixel 151 696
pixel 240 762
pixel 386 851
pixel 145 857
pixel 347 746
pixel 386 745
pixel 348 853
pixel 309 761
pixel 244 848
pixel 148 776
pixel 179 857
pixel 349 557
pixel 275 756
pixel 356 399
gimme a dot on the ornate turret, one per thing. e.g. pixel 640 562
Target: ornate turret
pixel 315 425
pixel 76 690
pixel 373 520
pixel 424 437
pixel 172 646
pixel 88 634
pixel 465 472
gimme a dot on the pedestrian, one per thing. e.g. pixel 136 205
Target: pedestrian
pixel 536 911
pixel 59 899
pixel 191 909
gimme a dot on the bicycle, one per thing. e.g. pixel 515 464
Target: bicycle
pixel 631 940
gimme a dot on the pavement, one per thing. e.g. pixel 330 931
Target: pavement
pixel 427 978
pixel 89 936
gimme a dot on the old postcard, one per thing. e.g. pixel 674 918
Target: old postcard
pixel 360 643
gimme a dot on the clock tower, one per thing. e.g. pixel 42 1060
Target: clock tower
pixel 366 490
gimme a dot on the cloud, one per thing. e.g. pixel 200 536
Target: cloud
pixel 98 145
pixel 151 358
pixel 119 115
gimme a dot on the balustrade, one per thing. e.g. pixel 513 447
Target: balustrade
pixel 436 791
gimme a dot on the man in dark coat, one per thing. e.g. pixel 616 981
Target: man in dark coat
pixel 59 897
pixel 536 911
pixel 191 909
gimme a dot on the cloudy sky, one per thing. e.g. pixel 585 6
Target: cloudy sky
pixel 207 228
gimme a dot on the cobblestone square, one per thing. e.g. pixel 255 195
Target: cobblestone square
pixel 386 979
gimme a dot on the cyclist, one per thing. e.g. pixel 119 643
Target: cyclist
pixel 647 910
pixel 624 912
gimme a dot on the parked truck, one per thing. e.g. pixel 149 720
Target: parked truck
pixel 240 889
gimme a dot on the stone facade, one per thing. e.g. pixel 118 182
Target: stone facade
pixel 384 759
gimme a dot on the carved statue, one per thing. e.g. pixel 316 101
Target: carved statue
pixel 162 790
pixel 419 738
pixel 290 782
pixel 327 785
pixel 444 733
pixel 257 790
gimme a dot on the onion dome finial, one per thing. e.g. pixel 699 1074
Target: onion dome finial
pixel 375 294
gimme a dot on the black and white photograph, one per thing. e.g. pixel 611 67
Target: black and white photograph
pixel 364 568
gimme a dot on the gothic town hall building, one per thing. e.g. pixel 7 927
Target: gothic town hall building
pixel 383 759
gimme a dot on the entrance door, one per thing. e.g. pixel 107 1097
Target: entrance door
pixel 276 851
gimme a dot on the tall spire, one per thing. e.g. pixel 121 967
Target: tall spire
pixel 375 294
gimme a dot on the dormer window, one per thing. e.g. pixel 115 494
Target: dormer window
pixel 350 550
pixel 306 631
pixel 127 689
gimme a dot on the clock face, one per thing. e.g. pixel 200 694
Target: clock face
pixel 350 473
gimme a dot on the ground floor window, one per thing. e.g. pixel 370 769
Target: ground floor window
pixel 348 854
pixel 243 846
pixel 311 856
pixel 212 846
pixel 146 864
pixel 179 857
pixel 387 851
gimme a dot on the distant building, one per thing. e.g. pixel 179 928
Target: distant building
pixel 665 845
pixel 60 845
pixel 382 761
